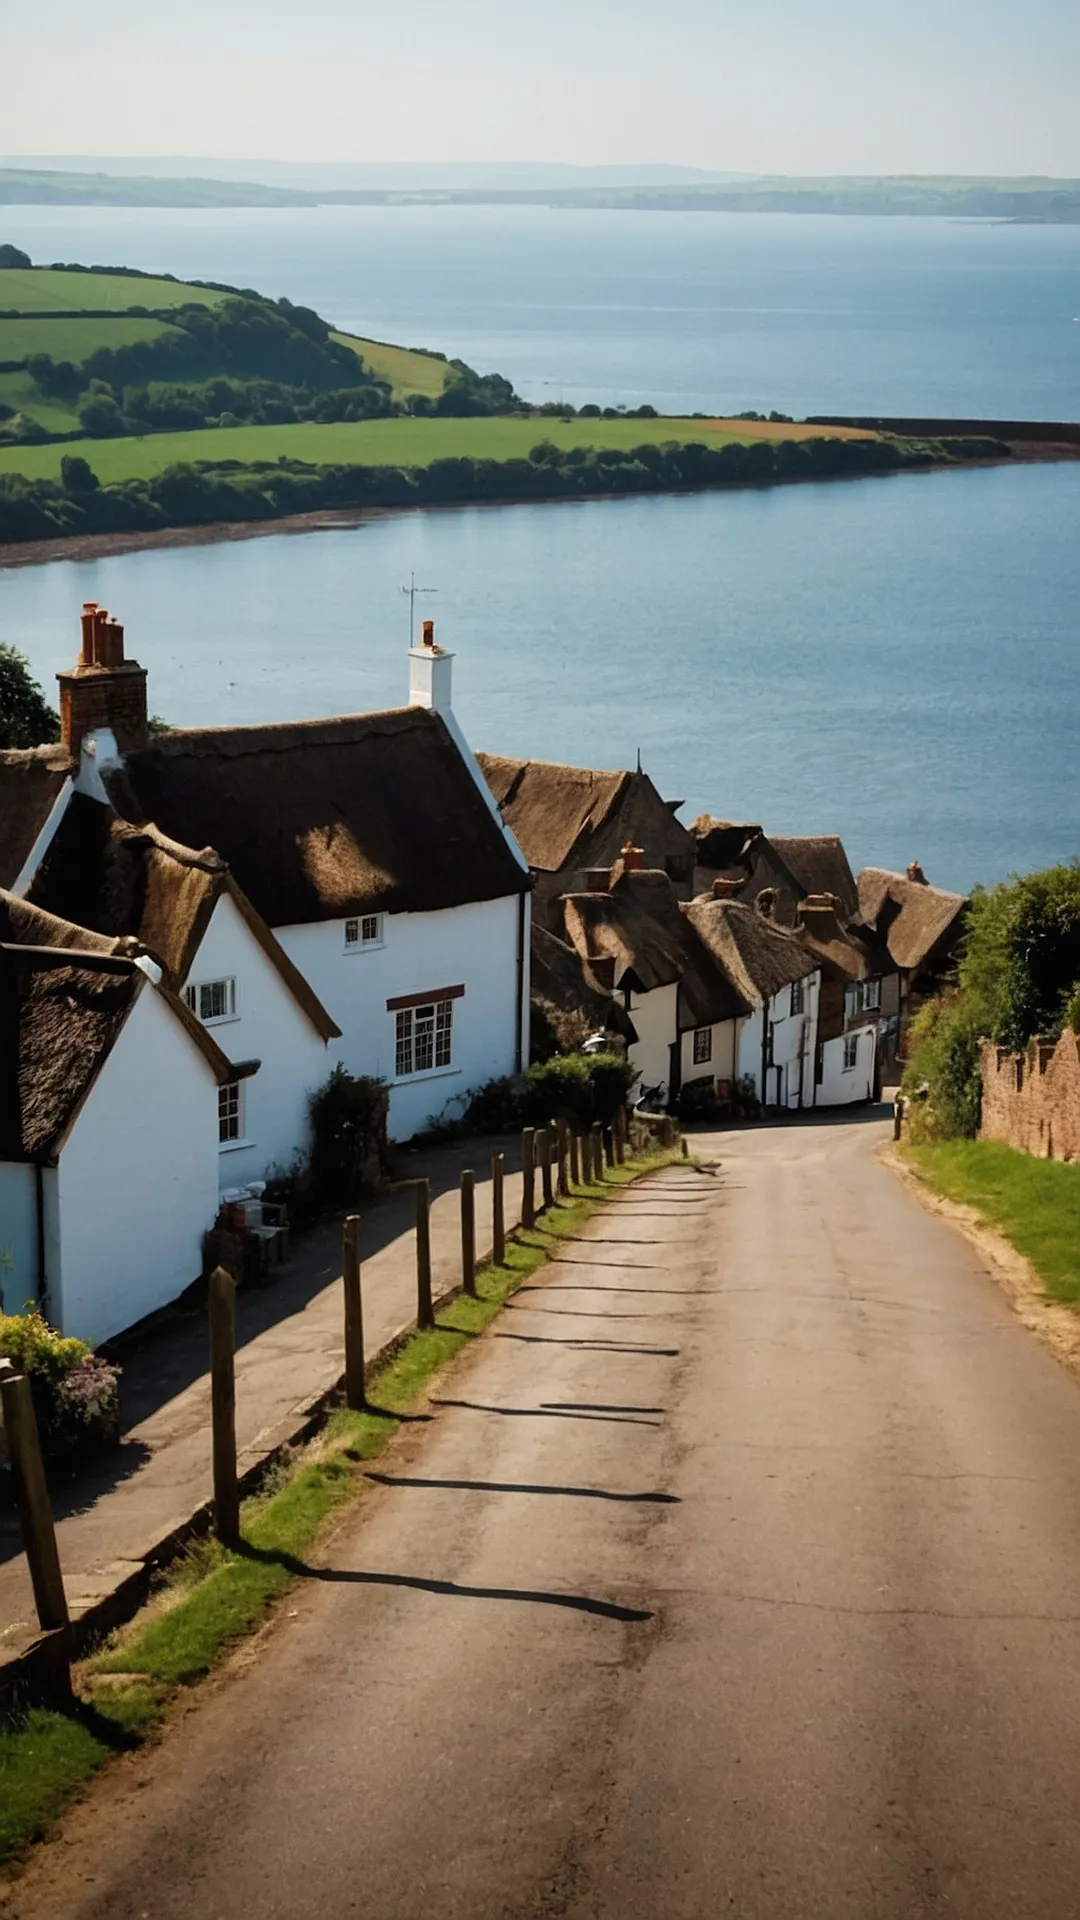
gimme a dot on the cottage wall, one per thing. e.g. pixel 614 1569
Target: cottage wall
pixel 788 1079
pixel 473 946
pixel 840 1086
pixel 137 1183
pixel 270 1027
pixel 18 1236
pixel 1031 1100
pixel 721 1065
pixel 655 1016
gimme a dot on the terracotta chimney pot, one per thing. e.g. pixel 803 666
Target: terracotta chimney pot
pixel 86 657
pixel 633 858
pixel 429 633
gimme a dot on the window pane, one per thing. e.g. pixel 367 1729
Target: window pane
pixel 229 1112
pixel 352 932
pixel 370 928
pixel 702 1046
pixel 403 1054
pixel 444 1014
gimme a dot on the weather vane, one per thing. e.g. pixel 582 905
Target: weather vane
pixel 412 590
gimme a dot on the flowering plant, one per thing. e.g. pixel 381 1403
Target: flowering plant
pixel 76 1395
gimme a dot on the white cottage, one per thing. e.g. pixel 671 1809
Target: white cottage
pixel 365 856
pixel 109 1096
pixel 780 981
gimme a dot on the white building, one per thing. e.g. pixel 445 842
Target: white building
pixel 780 982
pixel 108 1127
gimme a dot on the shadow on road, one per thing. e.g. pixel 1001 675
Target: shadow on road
pixel 450 1589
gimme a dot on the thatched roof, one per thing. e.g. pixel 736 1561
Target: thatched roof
pixel 852 953
pixel 65 994
pixel 641 925
pixel 30 785
pixel 320 819
pixel 549 808
pixel 911 917
pixel 818 864
pixel 562 978
pixel 760 957
pixel 723 844
pixel 102 873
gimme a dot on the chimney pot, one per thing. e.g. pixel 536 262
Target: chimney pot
pixel 916 873
pixel 89 612
pixel 429 633
pixel 633 858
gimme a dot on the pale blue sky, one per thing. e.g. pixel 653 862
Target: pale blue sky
pixel 966 86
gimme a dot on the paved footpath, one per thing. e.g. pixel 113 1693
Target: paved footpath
pixel 290 1351
pixel 739 1573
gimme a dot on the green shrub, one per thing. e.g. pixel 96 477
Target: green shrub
pixel 580 1087
pixel 945 1055
pixel 350 1154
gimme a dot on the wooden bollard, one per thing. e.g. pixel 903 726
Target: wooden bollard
pixel 597 1150
pixel 498 1216
pixel 562 1185
pixel 425 1311
pixel 223 1406
pixel 546 1187
pixel 897 1118
pixel 619 1131
pixel 468 1232
pixel 354 1314
pixel 528 1177
pixel 609 1146
pixel 32 1495
pixel 575 1158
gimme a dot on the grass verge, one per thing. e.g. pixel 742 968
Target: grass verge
pixel 213 1596
pixel 1035 1204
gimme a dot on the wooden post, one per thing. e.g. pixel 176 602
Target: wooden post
pixel 354 1315
pixel 897 1117
pixel 528 1178
pixel 563 1184
pixel 545 1167
pixel 223 1405
pixel 468 1232
pixel 498 1217
pixel 575 1158
pixel 609 1146
pixel 620 1136
pixel 597 1150
pixel 425 1311
pixel 35 1507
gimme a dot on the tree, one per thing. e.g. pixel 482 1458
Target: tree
pixel 14 257
pixel 77 475
pixel 26 718
pixel 99 414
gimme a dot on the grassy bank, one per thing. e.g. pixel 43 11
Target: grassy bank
pixel 391 443
pixel 215 1596
pixel 1034 1204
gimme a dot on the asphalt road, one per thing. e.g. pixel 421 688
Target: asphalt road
pixel 739 1573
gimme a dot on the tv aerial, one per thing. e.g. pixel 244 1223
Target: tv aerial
pixel 412 590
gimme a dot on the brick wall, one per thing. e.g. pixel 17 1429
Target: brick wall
pixel 1032 1100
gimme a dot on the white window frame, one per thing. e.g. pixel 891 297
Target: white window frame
pixel 231 1113
pixel 702 1049
pixel 798 996
pixel 363 932
pixel 851 1052
pixel 872 995
pixel 425 1033
pixel 197 988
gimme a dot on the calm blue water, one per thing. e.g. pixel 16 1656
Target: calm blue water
pixel 894 660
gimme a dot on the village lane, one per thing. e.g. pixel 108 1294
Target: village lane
pixel 739 1572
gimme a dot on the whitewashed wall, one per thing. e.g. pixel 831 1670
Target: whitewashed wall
pixel 137 1183
pixel 839 1089
pixel 474 946
pixel 270 1027
pixel 655 1016
pixel 18 1236
pixel 793 1049
pixel 722 1064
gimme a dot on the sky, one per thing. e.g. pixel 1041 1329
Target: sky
pixel 785 86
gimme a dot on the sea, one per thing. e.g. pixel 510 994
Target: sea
pixel 892 659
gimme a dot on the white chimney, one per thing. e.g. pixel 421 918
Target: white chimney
pixel 430 673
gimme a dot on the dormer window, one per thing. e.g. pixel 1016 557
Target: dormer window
pixel 212 1000
pixel 363 933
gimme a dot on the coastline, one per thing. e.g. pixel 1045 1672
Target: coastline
pixel 98 546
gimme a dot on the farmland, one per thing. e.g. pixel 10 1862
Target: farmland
pixel 406 371
pixel 48 290
pixel 395 442
pixel 75 339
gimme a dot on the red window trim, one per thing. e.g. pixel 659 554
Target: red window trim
pixel 422 999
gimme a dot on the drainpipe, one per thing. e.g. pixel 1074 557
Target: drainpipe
pixel 42 1282
pixel 765 1023
pixel 519 1022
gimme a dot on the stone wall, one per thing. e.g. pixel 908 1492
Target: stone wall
pixel 1032 1100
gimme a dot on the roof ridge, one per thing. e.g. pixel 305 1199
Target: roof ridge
pixel 262 733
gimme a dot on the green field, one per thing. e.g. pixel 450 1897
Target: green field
pixel 74 339
pixel 392 443
pixel 406 371
pixel 23 395
pixel 40 290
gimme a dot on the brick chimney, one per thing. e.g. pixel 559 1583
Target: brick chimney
pixel 632 858
pixel 430 671
pixel 103 689
pixel 916 873
pixel 724 888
